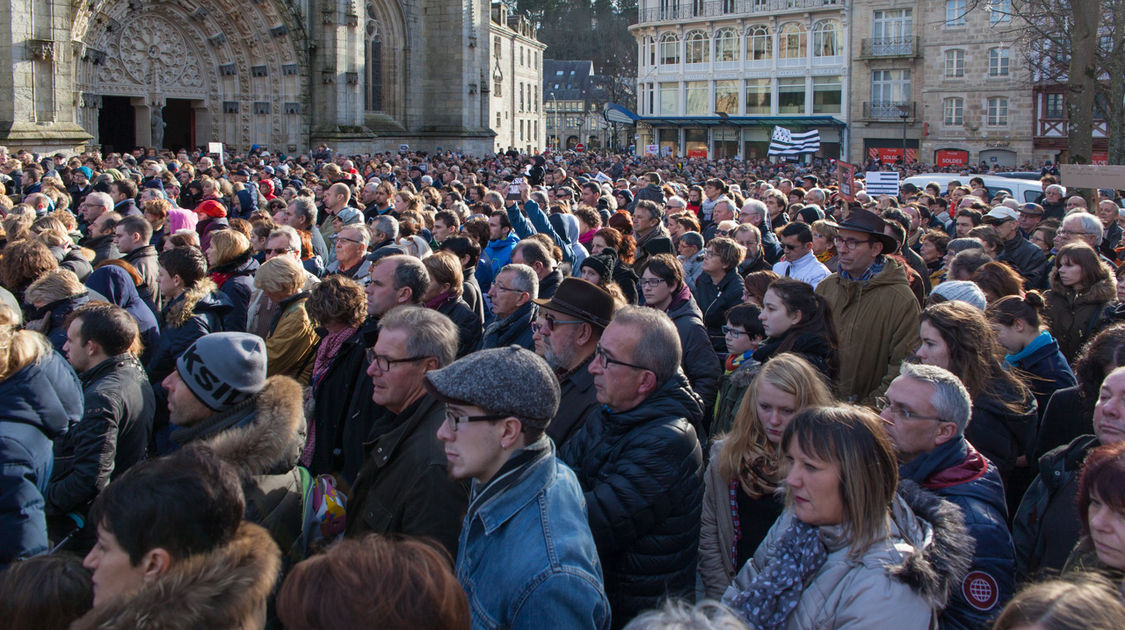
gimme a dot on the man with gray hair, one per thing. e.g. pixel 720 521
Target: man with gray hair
pixel 512 294
pixel 403 486
pixel 384 232
pixel 639 463
pixel 1080 226
pixel 301 215
pixel 282 241
pixel 926 410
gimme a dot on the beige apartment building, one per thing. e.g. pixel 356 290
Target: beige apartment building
pixel 945 81
pixel 516 109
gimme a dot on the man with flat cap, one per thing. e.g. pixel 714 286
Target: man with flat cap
pixel 567 332
pixel 525 553
pixel 872 305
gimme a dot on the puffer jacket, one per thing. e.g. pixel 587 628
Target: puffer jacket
pixel 903 581
pixel 956 472
pixel 878 328
pixel 235 280
pixel 223 589
pixel 642 473
pixel 1074 317
pixel 112 436
pixel 1046 525
pixel 699 361
pixel 41 403
pixel 262 438
pixel 1000 433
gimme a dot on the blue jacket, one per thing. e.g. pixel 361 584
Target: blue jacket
pixel 498 253
pixel 955 471
pixel 1043 360
pixel 40 403
pixel 526 555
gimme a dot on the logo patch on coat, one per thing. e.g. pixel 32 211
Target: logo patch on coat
pixel 980 590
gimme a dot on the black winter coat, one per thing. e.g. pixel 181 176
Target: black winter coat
pixel 714 301
pixel 237 288
pixel 1025 256
pixel 332 394
pixel 1069 414
pixel 642 473
pixel 815 349
pixel 577 401
pixel 73 260
pixel 1046 525
pixel 469 328
pixel 103 246
pixel 1000 434
pixel 699 361
pixel 144 260
pixel 112 435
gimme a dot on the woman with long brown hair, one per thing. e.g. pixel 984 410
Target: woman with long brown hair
pixel 1082 285
pixel 957 337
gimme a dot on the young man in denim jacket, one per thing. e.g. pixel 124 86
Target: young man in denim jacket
pixel 526 553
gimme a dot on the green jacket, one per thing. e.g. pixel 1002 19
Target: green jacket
pixel 877 325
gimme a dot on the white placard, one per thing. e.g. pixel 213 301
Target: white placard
pixel 652 149
pixel 881 183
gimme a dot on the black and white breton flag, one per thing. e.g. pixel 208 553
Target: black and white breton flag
pixel 785 142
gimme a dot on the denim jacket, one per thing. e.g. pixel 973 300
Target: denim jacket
pixel 526 553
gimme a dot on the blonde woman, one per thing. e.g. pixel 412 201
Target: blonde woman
pixel 42 397
pixel 739 504
pixel 291 341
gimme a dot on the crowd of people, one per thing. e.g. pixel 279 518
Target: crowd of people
pixel 579 390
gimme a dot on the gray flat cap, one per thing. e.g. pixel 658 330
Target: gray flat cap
pixel 509 380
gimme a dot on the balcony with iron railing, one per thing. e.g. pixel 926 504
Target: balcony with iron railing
pixel 889 111
pixel 887 47
pixel 702 9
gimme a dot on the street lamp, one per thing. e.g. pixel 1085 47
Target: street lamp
pixel 904 113
pixel 724 118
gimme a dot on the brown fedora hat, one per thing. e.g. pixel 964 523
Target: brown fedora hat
pixel 584 300
pixel 870 223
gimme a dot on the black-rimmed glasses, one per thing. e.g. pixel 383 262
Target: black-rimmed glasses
pixel 384 363
pixel 604 360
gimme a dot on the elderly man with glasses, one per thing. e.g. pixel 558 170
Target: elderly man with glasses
pixel 640 465
pixel 283 241
pixel 403 486
pixel 926 409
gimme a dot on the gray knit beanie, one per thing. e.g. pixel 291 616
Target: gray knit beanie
pixel 509 380
pixel 224 369
pixel 963 290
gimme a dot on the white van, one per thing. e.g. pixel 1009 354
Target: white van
pixel 1024 190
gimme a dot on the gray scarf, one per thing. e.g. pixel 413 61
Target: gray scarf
pixel 773 594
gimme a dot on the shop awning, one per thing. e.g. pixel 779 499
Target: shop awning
pixel 617 113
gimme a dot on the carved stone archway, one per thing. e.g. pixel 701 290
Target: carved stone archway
pixel 243 65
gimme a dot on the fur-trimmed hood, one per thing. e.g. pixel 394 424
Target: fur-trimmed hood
pixel 936 529
pixel 1102 291
pixel 268 434
pixel 203 296
pixel 224 589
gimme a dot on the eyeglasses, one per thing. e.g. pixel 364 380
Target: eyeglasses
pixel 278 251
pixel 551 322
pixel 731 331
pixel 1070 233
pixel 721 232
pixel 651 282
pixel 604 360
pixel 384 363
pixel 790 246
pixel 849 243
pixel 882 403
pixel 708 253
pixel 455 421
pixel 504 288
pixel 349 240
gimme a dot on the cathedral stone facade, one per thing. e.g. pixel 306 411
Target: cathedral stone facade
pixel 360 75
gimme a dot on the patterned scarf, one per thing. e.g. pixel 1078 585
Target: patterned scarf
pixel 329 346
pixel 734 361
pixel 871 272
pixel 775 592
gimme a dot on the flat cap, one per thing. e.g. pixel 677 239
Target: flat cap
pixel 511 380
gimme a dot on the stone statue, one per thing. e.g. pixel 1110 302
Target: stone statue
pixel 158 124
